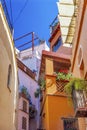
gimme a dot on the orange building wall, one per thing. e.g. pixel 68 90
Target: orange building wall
pixel 58 107
pixel 83 42
pixel 55 108
pixel 45 118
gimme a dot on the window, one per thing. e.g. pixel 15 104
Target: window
pixel 9 76
pixel 80 58
pixel 70 123
pixel 24 106
pixel 24 123
pixel 57 45
pixel 86 76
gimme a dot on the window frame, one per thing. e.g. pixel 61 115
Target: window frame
pixel 24 106
pixel 9 77
pixel 24 123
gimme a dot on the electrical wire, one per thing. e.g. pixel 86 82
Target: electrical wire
pixel 22 9
pixel 11 12
pixel 23 36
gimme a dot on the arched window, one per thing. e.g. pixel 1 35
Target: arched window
pixel 9 75
pixel 24 106
pixel 80 58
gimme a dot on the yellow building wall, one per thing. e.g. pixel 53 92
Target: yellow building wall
pixel 8 96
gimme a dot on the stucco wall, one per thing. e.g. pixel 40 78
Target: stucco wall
pixel 82 43
pixel 8 96
pixel 55 108
pixel 37 51
pixel 23 114
pixel 31 86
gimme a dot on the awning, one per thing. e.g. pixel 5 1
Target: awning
pixel 68 10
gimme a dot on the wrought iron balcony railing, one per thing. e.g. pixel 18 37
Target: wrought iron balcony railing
pixel 54 25
pixel 7 14
pixel 70 123
pixel 60 84
pixel 80 104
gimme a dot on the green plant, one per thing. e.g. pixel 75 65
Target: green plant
pixel 75 84
pixel 63 76
pixel 32 111
pixel 42 83
pixel 25 91
pixel 37 93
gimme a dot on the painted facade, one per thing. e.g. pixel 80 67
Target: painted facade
pixel 23 113
pixel 55 38
pixel 78 40
pixel 79 53
pixel 8 77
pixel 27 79
pixel 54 105
pixel 33 59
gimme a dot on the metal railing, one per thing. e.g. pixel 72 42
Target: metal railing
pixel 70 123
pixel 79 102
pixel 7 14
pixel 78 99
pixel 53 25
pixel 60 84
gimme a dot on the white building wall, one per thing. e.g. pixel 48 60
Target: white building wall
pixel 30 84
pixel 37 51
pixel 22 114
pixel 33 59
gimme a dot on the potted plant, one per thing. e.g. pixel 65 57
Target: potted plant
pixel 76 84
pixel 63 76
pixel 37 92
pixel 76 90
pixel 32 111
pixel 24 92
pixel 42 83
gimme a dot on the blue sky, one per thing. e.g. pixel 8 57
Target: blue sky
pixel 36 17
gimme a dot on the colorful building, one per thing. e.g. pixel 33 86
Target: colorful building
pixel 23 112
pixel 55 38
pixel 32 59
pixel 54 106
pixel 27 81
pixel 76 35
pixel 8 77
pixel 79 60
pixel 28 70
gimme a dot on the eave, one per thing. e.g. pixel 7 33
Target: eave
pixel 68 10
pixel 60 60
pixel 25 69
pixel 55 32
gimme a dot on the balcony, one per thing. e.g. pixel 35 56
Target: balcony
pixel 54 25
pixel 7 15
pixel 70 123
pixel 60 84
pixel 80 103
pixel 77 89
